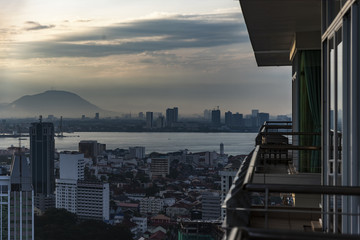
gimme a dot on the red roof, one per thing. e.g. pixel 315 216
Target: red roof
pixel 158 235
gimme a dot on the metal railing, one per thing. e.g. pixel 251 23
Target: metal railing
pixel 238 203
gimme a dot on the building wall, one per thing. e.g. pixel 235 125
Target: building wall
pixel 160 167
pixel 151 205
pixel 4 206
pixel 137 152
pixel 66 194
pixel 16 201
pixel 42 150
pixel 227 178
pixel 216 117
pixel 211 206
pixel 93 200
pixel 72 166
pixel 149 120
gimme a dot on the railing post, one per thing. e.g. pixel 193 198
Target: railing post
pixel 266 207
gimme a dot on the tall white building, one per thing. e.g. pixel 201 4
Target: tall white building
pixel 89 200
pixel 66 191
pixel 72 166
pixel 227 175
pixel 93 200
pixel 17 201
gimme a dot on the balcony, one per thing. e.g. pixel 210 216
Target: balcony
pixel 271 199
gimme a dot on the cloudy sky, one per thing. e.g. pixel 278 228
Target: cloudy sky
pixel 132 56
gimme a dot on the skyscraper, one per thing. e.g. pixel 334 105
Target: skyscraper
pixel 149 120
pixel 228 118
pixel 89 200
pixel 215 117
pixel 17 209
pixel 42 148
pixel 171 116
pixel 237 120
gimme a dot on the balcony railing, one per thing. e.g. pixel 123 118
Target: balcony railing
pixel 270 198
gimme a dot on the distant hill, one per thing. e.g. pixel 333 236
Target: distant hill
pixel 57 103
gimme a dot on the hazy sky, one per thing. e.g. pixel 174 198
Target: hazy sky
pixel 132 56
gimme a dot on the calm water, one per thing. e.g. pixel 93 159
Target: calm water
pixel 235 143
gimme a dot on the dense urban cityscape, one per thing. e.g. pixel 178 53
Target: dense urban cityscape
pixel 143 196
pixel 210 121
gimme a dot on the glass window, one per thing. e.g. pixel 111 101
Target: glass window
pixel 340 84
pixel 331 97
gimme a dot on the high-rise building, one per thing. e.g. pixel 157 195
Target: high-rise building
pixel 149 120
pixel 215 117
pixel 16 202
pixel 227 175
pixel 97 116
pixel 42 150
pixel 211 206
pixel 228 118
pixel 89 200
pixel 237 120
pixel 93 200
pixel 160 167
pixel 72 167
pixel 171 116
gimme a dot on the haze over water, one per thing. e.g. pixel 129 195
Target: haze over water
pixel 235 143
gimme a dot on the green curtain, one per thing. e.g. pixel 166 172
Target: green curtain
pixel 310 108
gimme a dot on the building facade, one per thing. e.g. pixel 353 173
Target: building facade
pixel 17 201
pixel 160 167
pixel 89 200
pixel 151 205
pixel 211 206
pixel 93 200
pixel 42 152
pixel 149 120
pixel 172 115
pixel 137 152
pixel 228 118
pixel 216 117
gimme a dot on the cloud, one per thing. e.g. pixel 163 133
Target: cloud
pixel 30 25
pixel 147 35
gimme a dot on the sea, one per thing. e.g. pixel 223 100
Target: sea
pixel 234 143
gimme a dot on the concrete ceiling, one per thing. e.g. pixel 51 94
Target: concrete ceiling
pixel 272 25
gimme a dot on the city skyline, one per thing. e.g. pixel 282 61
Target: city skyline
pixel 124 57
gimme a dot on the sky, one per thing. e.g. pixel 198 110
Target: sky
pixel 138 56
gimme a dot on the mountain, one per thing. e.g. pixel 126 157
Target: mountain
pixel 57 103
